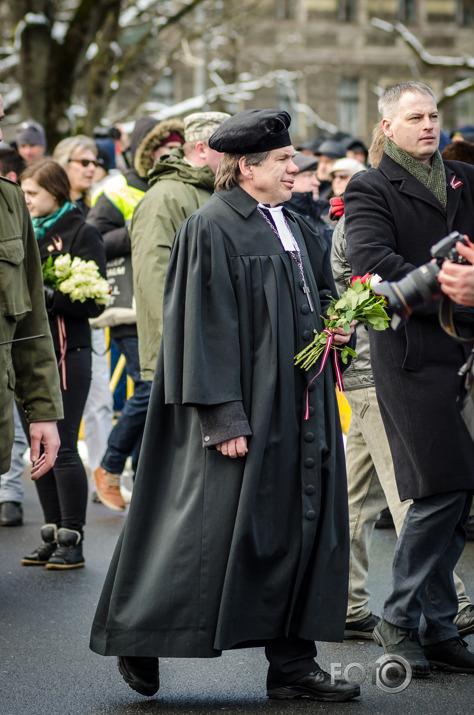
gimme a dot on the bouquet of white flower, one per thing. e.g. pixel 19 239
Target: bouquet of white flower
pixel 78 279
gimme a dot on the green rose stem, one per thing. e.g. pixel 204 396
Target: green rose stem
pixel 359 303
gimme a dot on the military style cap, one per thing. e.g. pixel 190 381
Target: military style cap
pixel 200 125
pixel 332 149
pixel 305 162
pixel 252 131
pixel 310 144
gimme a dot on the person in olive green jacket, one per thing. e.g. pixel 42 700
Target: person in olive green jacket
pixel 28 366
pixel 180 182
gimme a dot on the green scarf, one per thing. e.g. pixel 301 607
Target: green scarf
pixel 41 224
pixel 433 177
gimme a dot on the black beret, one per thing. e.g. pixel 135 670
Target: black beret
pixel 332 149
pixel 305 162
pixel 252 131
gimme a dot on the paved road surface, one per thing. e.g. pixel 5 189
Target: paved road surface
pixel 46 667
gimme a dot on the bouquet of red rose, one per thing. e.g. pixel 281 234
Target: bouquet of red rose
pixel 360 303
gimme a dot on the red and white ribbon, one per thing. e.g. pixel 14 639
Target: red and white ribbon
pixel 62 348
pixel 324 358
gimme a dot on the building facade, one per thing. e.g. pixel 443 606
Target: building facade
pixel 327 61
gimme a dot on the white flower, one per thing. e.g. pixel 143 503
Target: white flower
pixel 66 286
pixel 62 266
pixel 375 280
pixel 81 280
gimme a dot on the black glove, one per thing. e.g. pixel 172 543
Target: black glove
pixel 48 297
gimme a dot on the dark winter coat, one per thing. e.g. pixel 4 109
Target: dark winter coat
pixel 303 204
pixel 392 220
pixel 71 234
pixel 221 552
pixel 28 368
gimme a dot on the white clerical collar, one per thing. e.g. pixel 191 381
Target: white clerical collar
pixel 284 234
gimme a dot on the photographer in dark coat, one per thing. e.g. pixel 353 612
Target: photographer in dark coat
pixel 237 535
pixel 394 214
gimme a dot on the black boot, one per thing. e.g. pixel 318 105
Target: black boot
pixel 68 555
pixel 41 555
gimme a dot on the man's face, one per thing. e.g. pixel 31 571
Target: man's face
pixel 213 157
pixel 273 181
pixel 306 181
pixel 31 152
pixel 325 164
pixel 357 154
pixel 164 149
pixel 415 126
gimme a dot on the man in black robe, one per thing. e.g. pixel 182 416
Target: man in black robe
pixel 237 534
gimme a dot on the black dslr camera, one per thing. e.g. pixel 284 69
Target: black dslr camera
pixel 420 287
pixel 106 133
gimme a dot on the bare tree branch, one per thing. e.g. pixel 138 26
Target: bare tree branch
pixel 416 45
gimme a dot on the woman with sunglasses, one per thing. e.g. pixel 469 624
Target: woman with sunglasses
pixel 341 172
pixel 78 157
pixel 60 229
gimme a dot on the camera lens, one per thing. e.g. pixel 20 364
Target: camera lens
pixel 418 288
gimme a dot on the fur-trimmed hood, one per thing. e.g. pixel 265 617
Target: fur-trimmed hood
pixel 142 157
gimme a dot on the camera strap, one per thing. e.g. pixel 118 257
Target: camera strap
pixel 446 320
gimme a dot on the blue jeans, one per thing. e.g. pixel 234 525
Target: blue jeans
pixel 11 486
pixel 126 437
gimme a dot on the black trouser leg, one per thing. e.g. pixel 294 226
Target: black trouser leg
pixel 290 659
pixel 63 490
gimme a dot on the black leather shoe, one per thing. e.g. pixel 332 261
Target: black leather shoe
pixel 11 513
pixel 316 686
pixel 452 656
pixel 402 642
pixel 361 629
pixel 464 621
pixel 141 674
pixel 385 520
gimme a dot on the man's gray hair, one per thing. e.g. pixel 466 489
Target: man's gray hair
pixel 388 102
pixel 228 171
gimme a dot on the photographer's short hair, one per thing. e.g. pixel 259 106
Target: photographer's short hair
pixel 50 176
pixel 10 160
pixel 388 102
pixel 228 171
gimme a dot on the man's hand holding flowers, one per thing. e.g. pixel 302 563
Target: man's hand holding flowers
pixel 358 303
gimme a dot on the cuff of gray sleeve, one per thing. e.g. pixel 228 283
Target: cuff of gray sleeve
pixel 220 423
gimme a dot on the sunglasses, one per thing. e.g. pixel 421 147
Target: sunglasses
pixel 85 162
pixel 340 176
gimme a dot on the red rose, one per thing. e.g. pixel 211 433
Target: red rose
pixel 363 279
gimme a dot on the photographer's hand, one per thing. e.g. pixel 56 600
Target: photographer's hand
pixel 457 280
